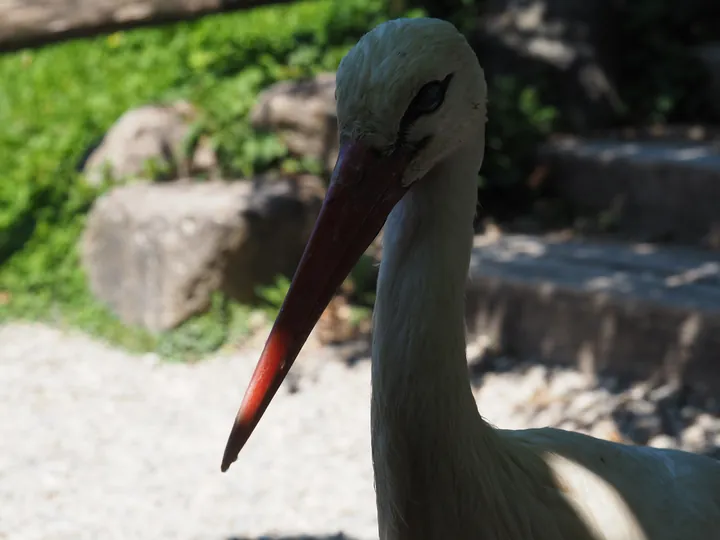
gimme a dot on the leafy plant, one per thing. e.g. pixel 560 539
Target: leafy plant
pixel 225 322
pixel 273 296
pixel 517 122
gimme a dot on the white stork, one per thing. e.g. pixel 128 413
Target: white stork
pixel 411 103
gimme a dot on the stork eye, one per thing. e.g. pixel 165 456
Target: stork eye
pixel 430 97
pixel 426 101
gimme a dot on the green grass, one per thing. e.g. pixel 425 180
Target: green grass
pixel 57 101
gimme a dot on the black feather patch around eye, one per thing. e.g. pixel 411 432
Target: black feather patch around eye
pixel 428 100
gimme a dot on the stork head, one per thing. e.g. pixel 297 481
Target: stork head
pixel 411 87
pixel 408 94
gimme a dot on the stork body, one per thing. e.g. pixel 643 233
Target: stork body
pixel 441 471
pixel 411 109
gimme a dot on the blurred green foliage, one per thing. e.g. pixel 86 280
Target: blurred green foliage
pixel 517 122
pixel 57 101
pixel 273 295
pixel 661 80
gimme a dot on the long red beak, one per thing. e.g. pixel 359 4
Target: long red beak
pixel 365 187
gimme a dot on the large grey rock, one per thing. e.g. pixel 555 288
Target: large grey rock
pixel 155 252
pixel 568 45
pixel 303 114
pixel 146 137
pixel 638 310
pixel 654 190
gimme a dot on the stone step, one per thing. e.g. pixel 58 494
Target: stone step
pixel 660 190
pixel 627 309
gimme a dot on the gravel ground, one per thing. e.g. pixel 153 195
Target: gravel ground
pixel 97 443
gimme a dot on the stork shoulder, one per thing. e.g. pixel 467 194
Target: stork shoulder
pixel 649 492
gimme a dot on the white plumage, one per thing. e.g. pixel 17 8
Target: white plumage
pixel 410 154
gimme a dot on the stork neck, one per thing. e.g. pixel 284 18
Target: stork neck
pixel 419 336
pixel 441 471
pixel 426 429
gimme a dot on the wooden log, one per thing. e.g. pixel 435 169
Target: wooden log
pixel 31 23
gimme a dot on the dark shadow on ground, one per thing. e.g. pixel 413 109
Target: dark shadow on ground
pixel 338 536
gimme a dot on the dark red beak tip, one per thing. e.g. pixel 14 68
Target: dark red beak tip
pixel 227 460
pixel 239 434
